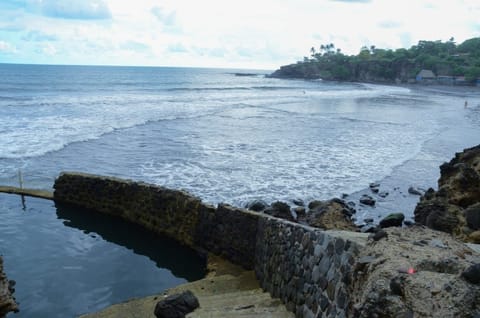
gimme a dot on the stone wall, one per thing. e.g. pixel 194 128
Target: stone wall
pixel 229 232
pixel 225 230
pixel 306 268
pixel 170 212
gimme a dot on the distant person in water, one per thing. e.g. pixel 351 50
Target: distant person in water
pixel 466 104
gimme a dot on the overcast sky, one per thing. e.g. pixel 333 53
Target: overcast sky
pixel 214 33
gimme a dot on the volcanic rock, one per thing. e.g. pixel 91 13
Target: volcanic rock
pixel 394 219
pixel 257 205
pixel 414 191
pixel 455 207
pixel 472 274
pixel 331 214
pixel 7 301
pixel 367 200
pixel 280 210
pixel 176 306
pixel 404 279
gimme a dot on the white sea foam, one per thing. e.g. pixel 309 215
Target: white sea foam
pixel 224 138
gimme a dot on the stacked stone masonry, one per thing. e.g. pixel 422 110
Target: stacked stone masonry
pixel 305 267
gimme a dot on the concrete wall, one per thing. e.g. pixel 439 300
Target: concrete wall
pixel 306 268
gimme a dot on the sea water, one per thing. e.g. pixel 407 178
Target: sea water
pixel 222 137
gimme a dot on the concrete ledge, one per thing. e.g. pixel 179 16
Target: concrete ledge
pixel 43 194
pixel 227 291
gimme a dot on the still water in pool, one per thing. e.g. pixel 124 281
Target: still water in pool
pixel 68 261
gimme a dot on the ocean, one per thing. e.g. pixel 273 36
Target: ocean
pixel 224 137
pixel 220 136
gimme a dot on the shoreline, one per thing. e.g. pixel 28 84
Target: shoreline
pixel 355 248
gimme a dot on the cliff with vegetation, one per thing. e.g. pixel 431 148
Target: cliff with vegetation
pixel 379 65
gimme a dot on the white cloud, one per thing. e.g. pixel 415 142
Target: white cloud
pixel 166 17
pixel 49 49
pixel 6 47
pixel 245 33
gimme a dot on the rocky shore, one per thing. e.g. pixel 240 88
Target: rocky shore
pixel 420 268
pixel 416 272
pixel 455 207
pixel 7 301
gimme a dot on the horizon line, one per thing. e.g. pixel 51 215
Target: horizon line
pixel 139 66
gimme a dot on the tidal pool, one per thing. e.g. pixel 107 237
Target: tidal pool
pixel 68 261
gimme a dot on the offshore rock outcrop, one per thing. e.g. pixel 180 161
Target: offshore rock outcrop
pixel 7 301
pixel 455 207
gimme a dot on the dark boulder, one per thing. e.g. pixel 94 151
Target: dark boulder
pixel 377 236
pixel 257 205
pixel 397 285
pixel 367 200
pixel 383 194
pixel 374 187
pixel 330 214
pixel 394 219
pixel 414 191
pixel 429 194
pixel 472 274
pixel 280 210
pixel 472 216
pixel 369 228
pixel 299 211
pixel 314 204
pixel 176 306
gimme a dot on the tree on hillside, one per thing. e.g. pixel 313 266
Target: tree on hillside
pixel 471 46
pixel 375 64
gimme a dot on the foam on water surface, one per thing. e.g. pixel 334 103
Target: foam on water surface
pixel 222 137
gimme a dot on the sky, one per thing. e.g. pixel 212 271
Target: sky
pixel 250 34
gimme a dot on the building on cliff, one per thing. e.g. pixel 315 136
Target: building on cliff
pixel 425 76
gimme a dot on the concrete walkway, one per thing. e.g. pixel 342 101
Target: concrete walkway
pixel 27 192
pixel 228 291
